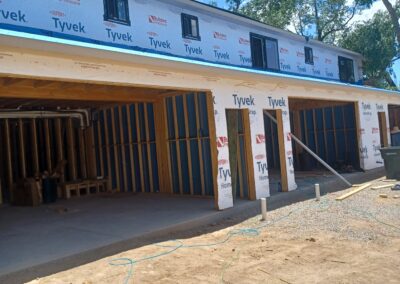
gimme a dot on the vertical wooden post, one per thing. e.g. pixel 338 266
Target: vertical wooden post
pixel 297 133
pixel 122 139
pixel 163 153
pixel 148 144
pixel 383 129
pixel 48 145
pixel 10 180
pixel 188 146
pixel 282 152
pixel 100 146
pixel 22 147
pixel 213 146
pixel 60 144
pixel 178 150
pixel 358 130
pixel 108 146
pixel 35 150
pixel 139 141
pixel 82 153
pixel 249 154
pixel 199 142
pixel 71 150
pixel 90 153
pixel 131 156
pixel 116 161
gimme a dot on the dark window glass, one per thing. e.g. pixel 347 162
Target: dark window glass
pixel 346 70
pixel 190 27
pixel 117 11
pixel 308 52
pixel 264 52
pixel 257 52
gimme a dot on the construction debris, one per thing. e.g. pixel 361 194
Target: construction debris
pixel 382 186
pixel 383 195
pixel 344 196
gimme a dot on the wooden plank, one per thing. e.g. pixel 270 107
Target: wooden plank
pixel 354 191
pixel 7 137
pixel 383 186
pixel 48 145
pixel 139 148
pixel 71 150
pixel 131 150
pixel 249 154
pixel 115 146
pixel 148 144
pixel 100 146
pixel 199 141
pixel 188 147
pixel 315 132
pixel 213 146
pixel 325 133
pixel 334 134
pixel 282 152
pixel 123 153
pixel 59 143
pixel 165 146
pixel 383 129
pixel 108 147
pixel 91 163
pixel 21 145
pixel 358 129
pixel 178 148
pixel 82 153
pixel 35 150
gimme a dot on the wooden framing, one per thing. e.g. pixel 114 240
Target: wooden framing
pixel 115 147
pixel 139 141
pixel 130 140
pixel 249 154
pixel 35 150
pixel 148 147
pixel 282 154
pixel 10 180
pixel 178 148
pixel 383 129
pixel 21 145
pixel 107 140
pixel 59 143
pixel 71 150
pixel 48 145
pixel 100 147
pixel 188 144
pixel 199 141
pixel 122 145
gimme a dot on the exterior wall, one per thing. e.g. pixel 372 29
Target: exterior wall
pixel 156 27
pixel 255 94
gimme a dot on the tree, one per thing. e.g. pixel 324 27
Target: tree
pixel 375 40
pixel 277 13
pixel 234 5
pixel 324 20
pixel 394 16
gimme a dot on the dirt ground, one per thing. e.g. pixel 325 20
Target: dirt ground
pixel 356 240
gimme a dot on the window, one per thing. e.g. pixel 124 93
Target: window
pixel 308 52
pixel 264 52
pixel 190 27
pixel 116 11
pixel 346 70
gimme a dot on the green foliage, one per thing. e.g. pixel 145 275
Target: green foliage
pixel 375 40
pixel 277 13
pixel 234 5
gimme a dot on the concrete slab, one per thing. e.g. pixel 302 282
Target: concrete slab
pixel 40 241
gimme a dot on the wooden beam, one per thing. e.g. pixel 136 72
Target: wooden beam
pixel 346 195
pixel 148 144
pixel 213 146
pixel 383 129
pixel 115 146
pixel 108 147
pixel 188 146
pixel 131 149
pixel 60 144
pixel 249 154
pixel 139 148
pixel 199 142
pixel 282 152
pixel 122 139
pixel 10 179
pixel 21 144
pixel 48 145
pixel 35 150
pixel 178 150
pixel 71 150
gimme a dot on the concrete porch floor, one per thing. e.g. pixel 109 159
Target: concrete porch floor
pixel 40 241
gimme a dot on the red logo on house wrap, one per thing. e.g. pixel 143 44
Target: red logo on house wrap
pixel 259 157
pixel 222 141
pixel 289 137
pixel 222 162
pixel 219 35
pixel 152 34
pixel 362 131
pixel 260 138
pixel 244 41
pixel 157 20
pixel 375 130
pixel 283 50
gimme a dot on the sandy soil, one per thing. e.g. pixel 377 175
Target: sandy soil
pixel 307 242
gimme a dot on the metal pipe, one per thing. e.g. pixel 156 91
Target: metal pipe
pixel 263 209
pixel 311 152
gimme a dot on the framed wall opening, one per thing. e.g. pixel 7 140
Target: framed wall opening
pixel 330 129
pixel 275 149
pixel 240 154
pixel 130 138
pixel 394 124
pixel 383 129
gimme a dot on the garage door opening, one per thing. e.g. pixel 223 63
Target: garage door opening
pixel 114 138
pixel 330 129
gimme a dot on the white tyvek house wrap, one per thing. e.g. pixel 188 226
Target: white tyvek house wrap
pixel 370 156
pixel 156 27
pixel 235 98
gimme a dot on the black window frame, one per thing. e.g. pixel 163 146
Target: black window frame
pixel 308 55
pixel 185 32
pixel 107 13
pixel 264 51
pixel 344 75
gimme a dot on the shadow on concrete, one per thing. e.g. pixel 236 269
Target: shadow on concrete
pixel 35 242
